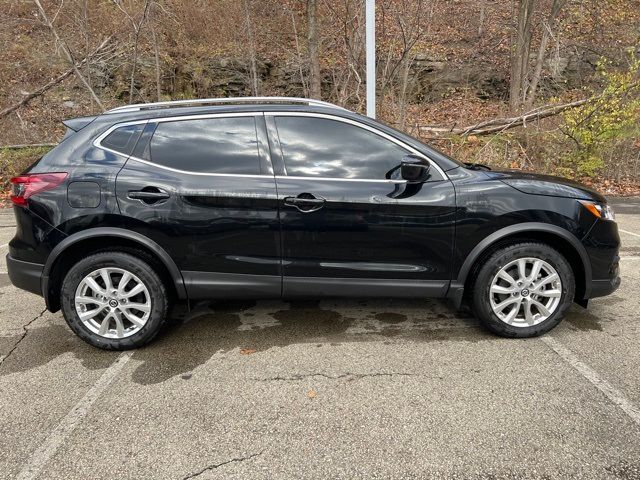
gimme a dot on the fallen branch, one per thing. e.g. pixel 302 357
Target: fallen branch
pixel 500 124
pixel 36 93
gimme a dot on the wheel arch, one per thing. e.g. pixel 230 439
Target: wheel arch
pixel 562 240
pixel 91 240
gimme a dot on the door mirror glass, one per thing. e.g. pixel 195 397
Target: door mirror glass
pixel 414 169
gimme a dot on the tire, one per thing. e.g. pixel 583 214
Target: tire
pixel 489 290
pixel 127 326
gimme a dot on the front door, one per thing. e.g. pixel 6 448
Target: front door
pixel 203 189
pixel 350 225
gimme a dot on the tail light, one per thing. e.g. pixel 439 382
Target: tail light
pixel 28 185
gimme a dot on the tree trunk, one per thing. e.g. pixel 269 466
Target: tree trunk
pixel 483 12
pixel 315 84
pixel 546 34
pixel 252 50
pixel 156 50
pixel 404 90
pixel 303 81
pixel 520 54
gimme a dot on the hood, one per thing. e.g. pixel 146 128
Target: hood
pixel 535 184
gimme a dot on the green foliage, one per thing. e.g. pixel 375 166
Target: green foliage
pixel 596 126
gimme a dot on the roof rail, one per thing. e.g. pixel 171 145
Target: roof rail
pixel 217 101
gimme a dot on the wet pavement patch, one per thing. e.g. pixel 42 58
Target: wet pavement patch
pixel 219 327
pixel 390 317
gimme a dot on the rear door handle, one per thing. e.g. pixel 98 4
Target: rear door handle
pixel 148 195
pixel 305 202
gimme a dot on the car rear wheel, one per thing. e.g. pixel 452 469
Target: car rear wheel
pixel 523 290
pixel 114 300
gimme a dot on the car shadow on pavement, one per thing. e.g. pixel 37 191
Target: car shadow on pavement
pixel 42 344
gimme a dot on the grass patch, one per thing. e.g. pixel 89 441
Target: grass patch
pixel 13 161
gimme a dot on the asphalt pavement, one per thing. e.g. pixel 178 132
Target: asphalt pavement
pixel 371 388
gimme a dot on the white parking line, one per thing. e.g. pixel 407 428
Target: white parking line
pixel 41 456
pixel 628 232
pixel 612 393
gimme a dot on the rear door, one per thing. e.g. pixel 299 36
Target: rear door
pixel 350 224
pixel 203 188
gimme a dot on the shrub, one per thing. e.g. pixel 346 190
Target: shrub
pixel 596 126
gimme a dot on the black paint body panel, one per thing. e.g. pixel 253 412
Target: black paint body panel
pixel 224 236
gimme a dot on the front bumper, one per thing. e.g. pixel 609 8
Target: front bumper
pixel 25 275
pixel 602 244
pixel 601 288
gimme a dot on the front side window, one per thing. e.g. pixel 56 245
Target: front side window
pixel 320 147
pixel 208 145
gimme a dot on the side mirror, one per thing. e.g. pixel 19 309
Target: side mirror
pixel 414 169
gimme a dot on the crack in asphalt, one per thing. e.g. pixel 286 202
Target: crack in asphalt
pixel 295 378
pixel 25 329
pixel 218 465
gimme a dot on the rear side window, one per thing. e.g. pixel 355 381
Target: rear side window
pixel 123 139
pixel 208 145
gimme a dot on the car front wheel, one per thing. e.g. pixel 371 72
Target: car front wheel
pixel 523 290
pixel 114 300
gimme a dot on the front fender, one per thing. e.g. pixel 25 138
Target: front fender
pixel 456 290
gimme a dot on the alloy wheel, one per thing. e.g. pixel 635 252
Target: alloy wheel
pixel 113 302
pixel 525 292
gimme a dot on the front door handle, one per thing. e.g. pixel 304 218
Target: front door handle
pixel 148 195
pixel 305 202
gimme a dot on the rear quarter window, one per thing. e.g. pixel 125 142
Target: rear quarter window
pixel 208 145
pixel 123 139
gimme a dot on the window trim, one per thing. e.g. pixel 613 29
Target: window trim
pixel 364 127
pixel 98 142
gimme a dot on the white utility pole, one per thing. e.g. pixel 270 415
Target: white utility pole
pixel 371 57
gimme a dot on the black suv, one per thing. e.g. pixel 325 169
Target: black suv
pixel 150 204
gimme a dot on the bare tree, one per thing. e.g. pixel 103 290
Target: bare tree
pixel 44 88
pixel 524 82
pixel 520 54
pixel 348 37
pixel 313 37
pixel 482 17
pixel 252 49
pixel 67 51
pixel 303 81
pixel 156 49
pixel 136 26
pixel 547 26
pixel 413 20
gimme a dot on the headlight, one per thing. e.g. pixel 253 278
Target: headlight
pixel 600 210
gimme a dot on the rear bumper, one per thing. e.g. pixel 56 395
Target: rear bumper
pixel 25 275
